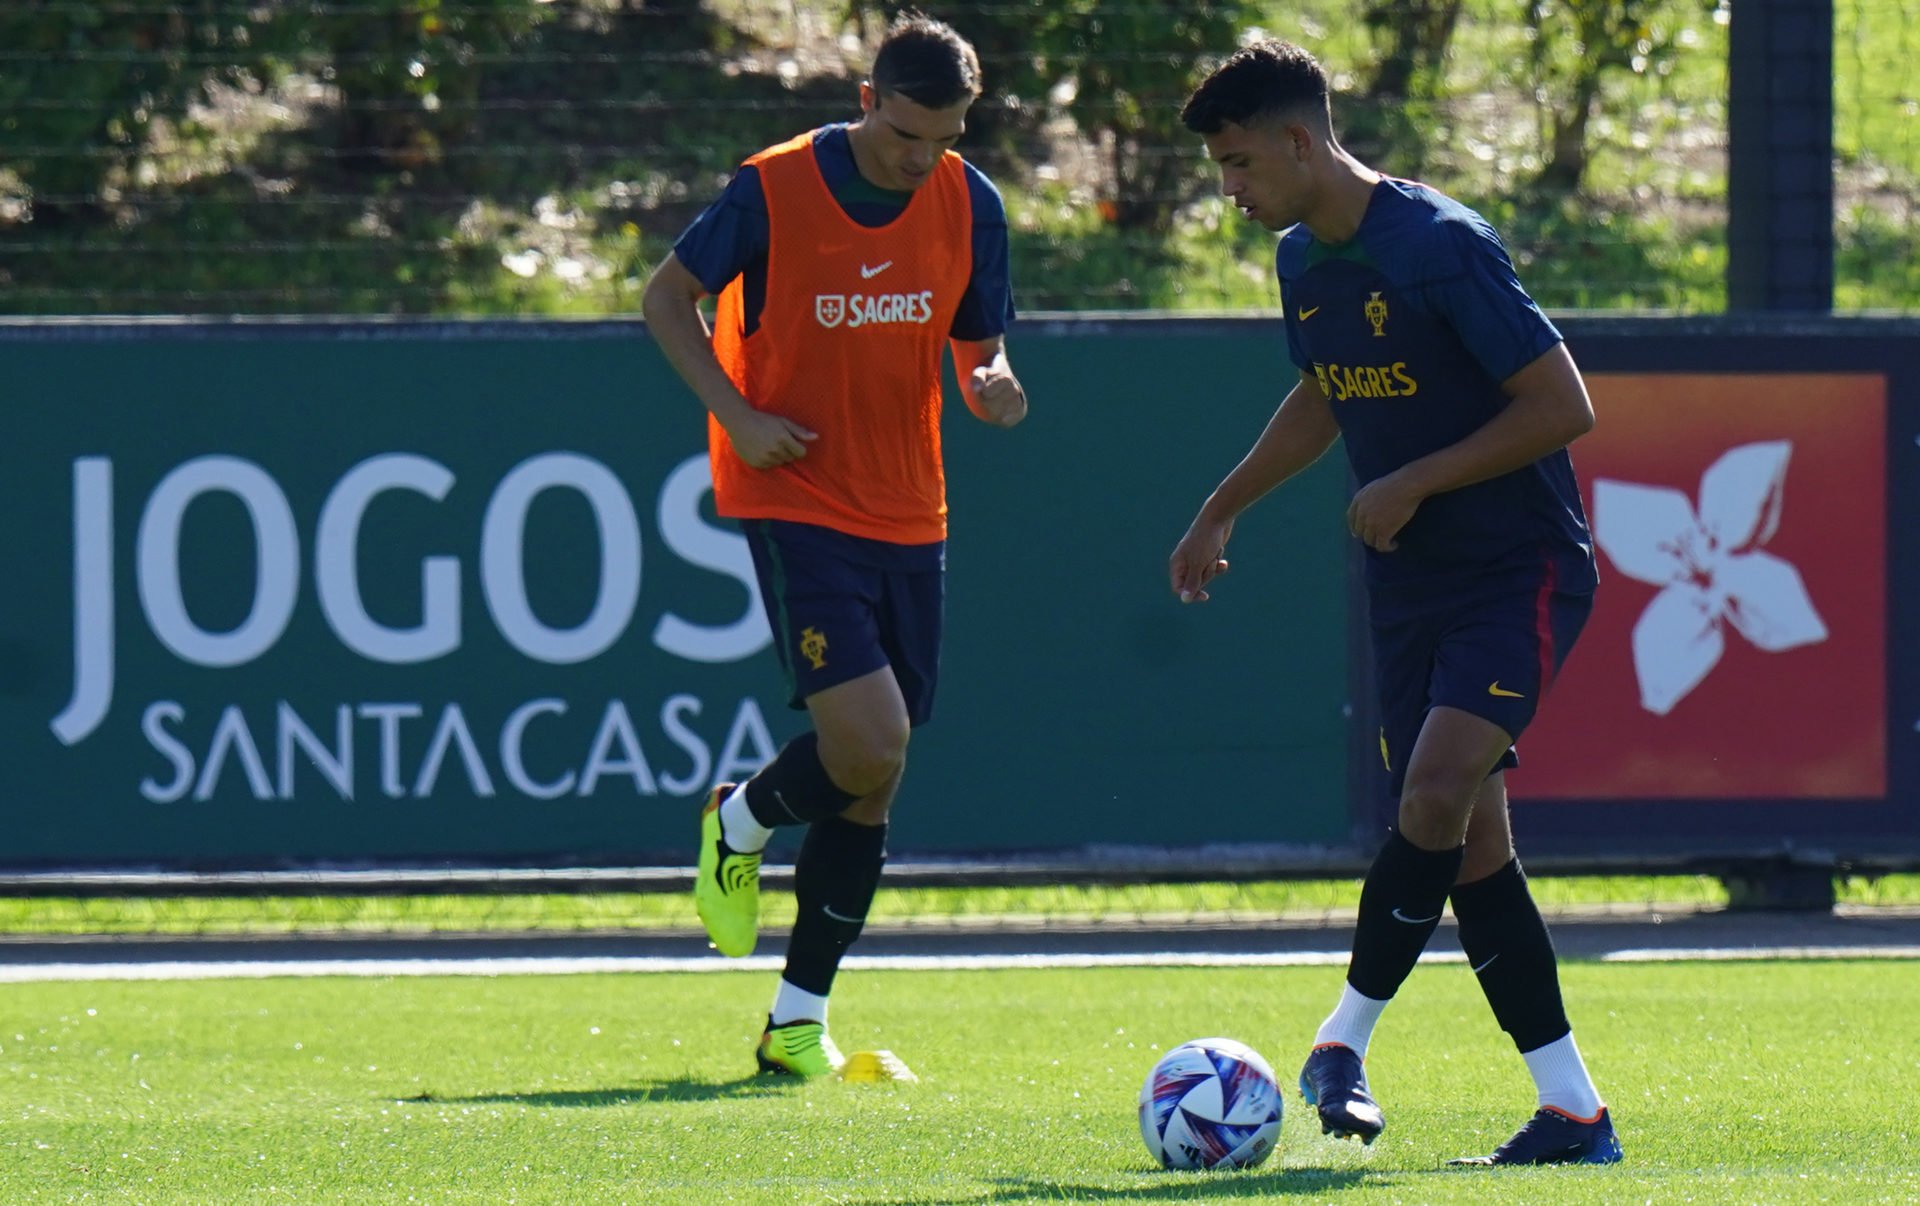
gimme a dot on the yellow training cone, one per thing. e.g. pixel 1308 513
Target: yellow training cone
pixel 873 1067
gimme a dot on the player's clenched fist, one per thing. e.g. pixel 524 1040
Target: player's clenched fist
pixel 998 397
pixel 763 440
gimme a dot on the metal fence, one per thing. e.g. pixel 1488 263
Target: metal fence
pixel 484 157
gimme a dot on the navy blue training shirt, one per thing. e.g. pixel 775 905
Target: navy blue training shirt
pixel 1410 326
pixel 730 237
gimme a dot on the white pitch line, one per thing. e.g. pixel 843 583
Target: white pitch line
pixel 258 969
pixel 1725 954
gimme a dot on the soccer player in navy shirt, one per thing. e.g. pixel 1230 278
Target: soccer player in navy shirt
pixel 1456 399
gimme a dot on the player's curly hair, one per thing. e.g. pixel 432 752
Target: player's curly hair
pixel 1268 78
pixel 927 62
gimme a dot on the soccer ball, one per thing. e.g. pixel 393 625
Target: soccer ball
pixel 1210 1103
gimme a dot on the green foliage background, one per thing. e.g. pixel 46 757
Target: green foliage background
pixel 481 157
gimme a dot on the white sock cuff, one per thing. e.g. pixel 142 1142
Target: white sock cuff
pixel 792 1004
pixel 1352 1021
pixel 738 826
pixel 1561 1077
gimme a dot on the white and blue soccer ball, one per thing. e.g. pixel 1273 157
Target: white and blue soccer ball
pixel 1210 1103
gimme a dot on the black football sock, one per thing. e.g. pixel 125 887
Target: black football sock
pixel 1509 949
pixel 834 879
pixel 1400 905
pixel 795 789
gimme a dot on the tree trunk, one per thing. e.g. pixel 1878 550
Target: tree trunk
pixel 1418 36
pixel 1566 166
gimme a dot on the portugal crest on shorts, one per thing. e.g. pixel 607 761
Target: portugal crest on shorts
pixel 813 647
pixel 829 308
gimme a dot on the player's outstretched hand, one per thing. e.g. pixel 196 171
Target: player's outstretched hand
pixel 998 397
pixel 1197 559
pixel 763 440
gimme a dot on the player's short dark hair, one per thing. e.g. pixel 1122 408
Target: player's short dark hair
pixel 925 61
pixel 1268 78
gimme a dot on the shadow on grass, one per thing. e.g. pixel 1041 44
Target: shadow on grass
pixel 1274 1183
pixel 680 1089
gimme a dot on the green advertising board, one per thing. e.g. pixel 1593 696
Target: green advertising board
pixel 348 594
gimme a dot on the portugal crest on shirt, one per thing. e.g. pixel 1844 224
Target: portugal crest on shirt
pixel 1376 312
pixel 829 308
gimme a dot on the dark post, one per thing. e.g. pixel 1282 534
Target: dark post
pixel 1780 156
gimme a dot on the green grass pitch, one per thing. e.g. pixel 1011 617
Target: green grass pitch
pixel 1731 1082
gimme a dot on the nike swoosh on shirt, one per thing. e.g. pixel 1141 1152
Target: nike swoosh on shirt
pixel 867 274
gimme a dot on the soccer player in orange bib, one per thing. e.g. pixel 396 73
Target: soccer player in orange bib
pixel 844 260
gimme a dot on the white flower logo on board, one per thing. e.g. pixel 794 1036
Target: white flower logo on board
pixel 1710 567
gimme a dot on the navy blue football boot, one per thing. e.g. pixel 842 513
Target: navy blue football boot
pixel 1554 1137
pixel 1334 1082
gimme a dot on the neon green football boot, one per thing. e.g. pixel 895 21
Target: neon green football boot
pixel 798 1048
pixel 726 892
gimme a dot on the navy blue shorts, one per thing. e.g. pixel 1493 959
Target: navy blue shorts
pixel 1492 651
pixel 842 606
